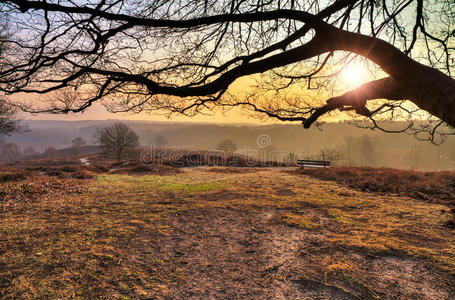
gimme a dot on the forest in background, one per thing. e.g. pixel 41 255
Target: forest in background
pixel 341 142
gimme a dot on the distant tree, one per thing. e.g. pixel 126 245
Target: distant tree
pixel 77 144
pixel 349 140
pixel 117 139
pixel 327 154
pixel 9 151
pixel 451 154
pixel 160 141
pixel 50 152
pixel 292 158
pixel 267 152
pixel 227 146
pixel 367 151
pixel 29 151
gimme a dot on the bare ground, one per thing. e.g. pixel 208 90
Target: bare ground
pixel 227 253
pixel 216 235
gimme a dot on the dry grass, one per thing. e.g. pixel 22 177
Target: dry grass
pixel 135 168
pixel 432 186
pixel 55 162
pixel 262 234
pixel 231 170
pixel 297 220
pixel 30 187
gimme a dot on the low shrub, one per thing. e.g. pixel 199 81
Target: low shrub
pixel 432 186
pixel 16 176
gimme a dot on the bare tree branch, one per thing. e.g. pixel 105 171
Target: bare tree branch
pixel 184 57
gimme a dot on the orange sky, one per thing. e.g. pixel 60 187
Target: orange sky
pixel 98 112
pixel 352 76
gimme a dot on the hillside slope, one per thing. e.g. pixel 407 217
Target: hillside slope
pixel 221 233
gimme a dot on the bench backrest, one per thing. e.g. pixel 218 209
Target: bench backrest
pixel 307 162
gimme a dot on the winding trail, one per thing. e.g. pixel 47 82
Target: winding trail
pixel 85 161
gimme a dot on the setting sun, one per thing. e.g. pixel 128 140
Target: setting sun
pixel 354 74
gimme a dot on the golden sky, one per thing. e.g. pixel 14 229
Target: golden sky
pixel 352 76
pixel 98 112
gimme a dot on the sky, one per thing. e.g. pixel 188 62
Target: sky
pixel 352 76
pixel 98 112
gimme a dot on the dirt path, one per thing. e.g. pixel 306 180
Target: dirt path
pixel 85 161
pixel 231 254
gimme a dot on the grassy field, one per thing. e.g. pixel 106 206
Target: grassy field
pixel 219 233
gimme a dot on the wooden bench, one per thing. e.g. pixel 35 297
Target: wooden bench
pixel 313 163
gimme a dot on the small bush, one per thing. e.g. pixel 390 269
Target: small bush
pixel 56 173
pixel 68 169
pixel 17 176
pixel 81 174
pixel 100 168
pixel 150 169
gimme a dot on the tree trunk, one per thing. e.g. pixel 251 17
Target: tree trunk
pixel 434 92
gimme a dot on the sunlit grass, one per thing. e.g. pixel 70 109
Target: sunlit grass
pixel 173 182
pixel 299 221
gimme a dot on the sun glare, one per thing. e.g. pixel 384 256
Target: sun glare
pixel 354 74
